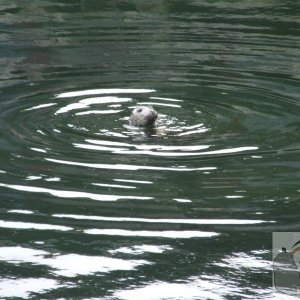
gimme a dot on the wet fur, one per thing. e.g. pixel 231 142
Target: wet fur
pixel 143 116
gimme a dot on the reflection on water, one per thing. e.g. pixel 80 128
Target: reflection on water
pixel 93 208
pixel 65 265
pixel 24 287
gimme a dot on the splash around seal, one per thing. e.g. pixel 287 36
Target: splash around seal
pixel 143 116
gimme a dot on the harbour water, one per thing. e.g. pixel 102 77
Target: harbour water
pixel 91 208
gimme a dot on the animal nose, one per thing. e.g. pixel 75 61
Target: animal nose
pixel 154 115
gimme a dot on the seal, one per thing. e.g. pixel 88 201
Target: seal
pixel 143 116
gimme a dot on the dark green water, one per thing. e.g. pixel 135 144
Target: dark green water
pixel 93 209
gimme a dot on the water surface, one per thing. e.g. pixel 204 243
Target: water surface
pixel 92 208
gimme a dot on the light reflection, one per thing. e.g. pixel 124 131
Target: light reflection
pixel 33 177
pixel 134 181
pixel 141 249
pixel 103 91
pixel 118 186
pixel 184 291
pixel 111 133
pixel 55 179
pixel 222 151
pixel 98 112
pixel 182 234
pixel 149 147
pixel 40 106
pixel 160 104
pixel 202 130
pixel 108 143
pixel 241 261
pixel 144 149
pixel 23 287
pixel 159 150
pixel 65 264
pixel 166 99
pixel 20 211
pixel 41 132
pixel 230 150
pixel 104 100
pixel 170 221
pixel 192 127
pixel 71 194
pixel 128 167
pixel 19 255
pixel 70 107
pixel 37 226
pixel 98 148
pixel 39 150
pixel 69 265
pixel 85 103
pixel 182 200
pixel 204 287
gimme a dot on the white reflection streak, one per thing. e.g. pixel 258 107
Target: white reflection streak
pixel 146 149
pixel 149 147
pixel 27 225
pixel 108 143
pixel 242 260
pixel 86 265
pixel 70 264
pixel 164 290
pixel 230 150
pixel 193 126
pixel 104 100
pixel 166 99
pixel 20 211
pixel 71 194
pixel 140 249
pixel 127 167
pixel 85 103
pixel 172 221
pixel 118 186
pixel 182 200
pixel 22 287
pixel 98 112
pixel 40 106
pixel 193 131
pixel 183 234
pixel 38 150
pixel 104 91
pixel 99 148
pixel 134 181
pixel 19 254
pixel 152 153
pixel 160 104
pixel 70 107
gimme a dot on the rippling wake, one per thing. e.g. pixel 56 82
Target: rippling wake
pixel 93 208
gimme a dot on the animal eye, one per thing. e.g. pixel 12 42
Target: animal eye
pixel 139 110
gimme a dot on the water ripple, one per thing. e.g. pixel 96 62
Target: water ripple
pixel 180 234
pixel 171 221
pixel 195 199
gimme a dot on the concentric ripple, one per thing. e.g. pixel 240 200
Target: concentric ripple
pixel 93 208
pixel 89 130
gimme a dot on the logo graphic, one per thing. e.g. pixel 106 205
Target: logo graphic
pixel 286 262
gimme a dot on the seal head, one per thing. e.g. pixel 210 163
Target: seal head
pixel 143 116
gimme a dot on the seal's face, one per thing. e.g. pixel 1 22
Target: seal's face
pixel 143 116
